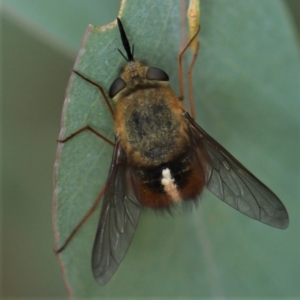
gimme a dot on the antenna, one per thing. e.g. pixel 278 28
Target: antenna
pixel 125 42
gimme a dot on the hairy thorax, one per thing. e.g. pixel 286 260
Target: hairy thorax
pixel 150 126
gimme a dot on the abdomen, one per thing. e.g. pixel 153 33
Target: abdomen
pixel 170 182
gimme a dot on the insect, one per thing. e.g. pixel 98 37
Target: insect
pixel 163 157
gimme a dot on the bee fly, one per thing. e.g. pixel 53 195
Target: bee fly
pixel 162 157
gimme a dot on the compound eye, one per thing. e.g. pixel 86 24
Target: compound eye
pixel 117 86
pixel 157 74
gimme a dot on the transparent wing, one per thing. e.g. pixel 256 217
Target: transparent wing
pixel 118 219
pixel 231 182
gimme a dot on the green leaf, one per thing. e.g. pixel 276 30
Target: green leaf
pixel 246 91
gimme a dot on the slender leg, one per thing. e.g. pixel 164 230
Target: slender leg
pixel 180 70
pixel 94 206
pixel 90 129
pixel 92 209
pixel 100 89
pixel 190 82
pixel 87 215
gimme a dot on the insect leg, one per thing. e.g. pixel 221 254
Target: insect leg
pixel 100 89
pixel 82 221
pixel 190 83
pixel 193 16
pixel 90 129
pixel 94 206
pixel 180 69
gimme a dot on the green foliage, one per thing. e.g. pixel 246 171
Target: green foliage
pixel 246 89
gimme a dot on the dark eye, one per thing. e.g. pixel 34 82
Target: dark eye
pixel 157 74
pixel 117 86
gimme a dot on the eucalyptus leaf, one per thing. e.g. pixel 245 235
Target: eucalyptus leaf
pixel 246 90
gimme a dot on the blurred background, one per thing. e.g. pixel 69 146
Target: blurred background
pixel 39 44
pixel 40 40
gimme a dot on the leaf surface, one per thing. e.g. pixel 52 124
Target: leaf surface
pixel 246 91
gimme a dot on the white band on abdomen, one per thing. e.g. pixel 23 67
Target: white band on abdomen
pixel 170 188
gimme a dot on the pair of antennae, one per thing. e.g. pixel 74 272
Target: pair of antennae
pixel 125 42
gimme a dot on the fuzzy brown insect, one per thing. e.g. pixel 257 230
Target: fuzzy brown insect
pixel 162 157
